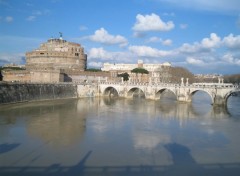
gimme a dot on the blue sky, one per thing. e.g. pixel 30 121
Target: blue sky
pixel 200 35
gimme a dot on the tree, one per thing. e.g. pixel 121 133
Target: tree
pixel 179 72
pixel 140 70
pixel 124 75
pixel 93 70
pixel 235 78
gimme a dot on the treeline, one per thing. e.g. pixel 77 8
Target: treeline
pixel 235 79
pixel 176 73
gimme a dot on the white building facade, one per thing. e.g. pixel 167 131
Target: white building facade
pixel 129 67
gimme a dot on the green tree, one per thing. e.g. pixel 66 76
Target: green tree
pixel 124 75
pixel 140 70
pixel 93 70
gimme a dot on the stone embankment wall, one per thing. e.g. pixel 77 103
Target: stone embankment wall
pixel 87 90
pixel 17 92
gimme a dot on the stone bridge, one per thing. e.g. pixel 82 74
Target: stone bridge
pixel 218 92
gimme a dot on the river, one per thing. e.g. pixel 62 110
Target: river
pixel 103 136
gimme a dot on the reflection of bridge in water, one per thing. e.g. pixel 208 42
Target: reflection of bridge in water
pixel 168 108
pixel 218 92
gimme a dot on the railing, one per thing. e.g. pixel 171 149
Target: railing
pixel 194 85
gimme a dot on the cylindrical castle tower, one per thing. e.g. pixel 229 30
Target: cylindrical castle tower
pixel 57 54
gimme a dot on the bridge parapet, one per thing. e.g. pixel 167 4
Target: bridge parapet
pixel 219 92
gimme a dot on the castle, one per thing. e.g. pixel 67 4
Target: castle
pixel 49 62
pixel 58 60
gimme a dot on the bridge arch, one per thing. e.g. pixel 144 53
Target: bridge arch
pixel 110 91
pixel 228 94
pixel 201 90
pixel 161 91
pixel 135 91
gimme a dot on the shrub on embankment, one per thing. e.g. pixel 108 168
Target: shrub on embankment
pixel 17 92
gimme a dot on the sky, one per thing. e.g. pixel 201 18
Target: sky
pixel 200 35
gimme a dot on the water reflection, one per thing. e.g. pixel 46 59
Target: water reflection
pixel 168 108
pixel 112 136
pixel 61 123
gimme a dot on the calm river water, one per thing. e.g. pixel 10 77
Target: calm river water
pixel 120 137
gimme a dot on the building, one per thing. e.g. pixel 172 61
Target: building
pixel 157 72
pixel 49 62
pixel 129 67
pixel 57 54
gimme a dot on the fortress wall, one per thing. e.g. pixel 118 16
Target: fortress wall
pixel 17 92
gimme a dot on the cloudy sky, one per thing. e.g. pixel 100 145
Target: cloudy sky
pixel 201 35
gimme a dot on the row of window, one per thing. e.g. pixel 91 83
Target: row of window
pixel 53 54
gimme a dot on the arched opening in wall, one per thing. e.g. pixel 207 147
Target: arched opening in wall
pixel 166 95
pixel 110 92
pixel 201 101
pixel 233 103
pixel 136 93
pixel 200 96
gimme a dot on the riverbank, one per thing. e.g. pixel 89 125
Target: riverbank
pixel 21 92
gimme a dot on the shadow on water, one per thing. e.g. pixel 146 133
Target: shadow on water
pixel 7 147
pixel 183 164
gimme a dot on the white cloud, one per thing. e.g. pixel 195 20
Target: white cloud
pixel 166 42
pixel 16 58
pixel 146 51
pixel 139 34
pixel 9 19
pixel 99 53
pixel 188 48
pixel 154 40
pixel 205 54
pixel 206 45
pixel 212 42
pixel 95 64
pixel 151 23
pixel 103 55
pixel 102 36
pixel 232 42
pixel 229 58
pixel 194 61
pixel 31 18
